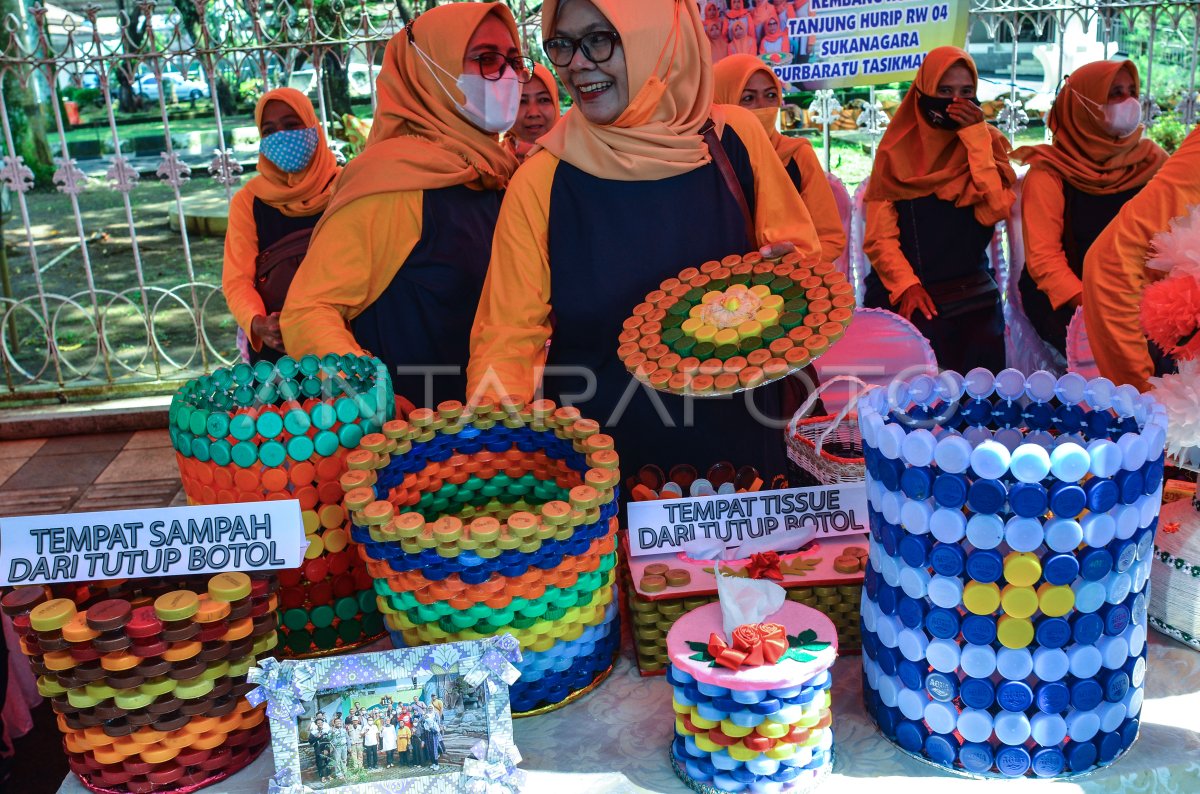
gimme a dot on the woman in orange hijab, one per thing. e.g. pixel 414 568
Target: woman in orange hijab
pixel 539 113
pixel 271 218
pixel 746 81
pixel 397 263
pixel 940 183
pixel 1077 185
pixel 625 194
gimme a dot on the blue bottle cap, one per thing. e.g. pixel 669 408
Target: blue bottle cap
pixel 941 749
pixel 1102 494
pixel 1048 762
pixel 1053 697
pixel 888 599
pixel 1116 618
pixel 976 412
pixel 1152 475
pixel 942 623
pixel 1028 499
pixel 948 559
pixel 889 660
pixel 891 539
pixel 917 482
pixel 1006 413
pixel 914 550
pixel 1129 732
pixel 1053 632
pixel 1013 761
pixel 911 674
pixel 1060 569
pixel 978 693
pixel 890 470
pixel 950 490
pixel 1095 564
pixel 1125 555
pixel 979 629
pixel 1110 746
pixel 1115 683
pixel 871 582
pixel 1130 485
pixel 888 718
pixel 987 496
pixel 911 735
pixel 1087 628
pixel 1069 418
pixel 911 612
pixel 1039 416
pixel 975 757
pixel 985 565
pixel 1067 499
pixel 1081 756
pixel 941 686
pixel 1086 694
pixel 1014 696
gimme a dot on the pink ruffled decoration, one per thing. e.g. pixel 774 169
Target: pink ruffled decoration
pixel 1171 315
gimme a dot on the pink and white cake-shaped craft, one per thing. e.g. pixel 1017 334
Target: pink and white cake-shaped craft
pixel 752 705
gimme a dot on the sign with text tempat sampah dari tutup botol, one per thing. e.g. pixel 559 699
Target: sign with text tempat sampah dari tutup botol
pixel 160 542
pixel 845 43
pixel 667 525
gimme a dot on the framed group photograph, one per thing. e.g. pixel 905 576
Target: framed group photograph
pixel 429 719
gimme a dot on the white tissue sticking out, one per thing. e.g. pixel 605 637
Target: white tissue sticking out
pixel 747 601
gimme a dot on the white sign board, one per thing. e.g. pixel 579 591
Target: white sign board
pixel 665 526
pixel 167 541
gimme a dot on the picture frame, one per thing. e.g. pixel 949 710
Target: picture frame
pixel 432 719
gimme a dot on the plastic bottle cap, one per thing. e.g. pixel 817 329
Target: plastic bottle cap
pixel 1082 726
pixel 1095 564
pixel 985 531
pixel 1063 535
pixel 1055 601
pixel 1105 457
pixel 978 661
pixel 891 439
pixel 947 559
pixel 941 717
pixel 974 755
pixel 1014 696
pixel 1050 664
pixel 1069 462
pixel 1040 386
pixel 947 525
pixel 1022 569
pixel 981 598
pixel 945 591
pixel 918 447
pixel 1099 530
pixel 953 454
pixel 979 383
pixel 1028 499
pixel 1014 663
pixel 985 565
pixel 1118 587
pixel 986 496
pixel 990 460
pixel 1061 569
pixel 977 693
pixel 1085 660
pixel 942 622
pixel 943 655
pixel 1014 632
pixel 915 515
pixel 979 629
pixel 1030 463
pixel 1024 534
pixel 1012 727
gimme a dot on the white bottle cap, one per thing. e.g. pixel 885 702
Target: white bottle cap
pixel 1070 462
pixel 1133 702
pixel 1024 534
pixel 875 492
pixel 891 506
pixel 921 390
pixel 1128 517
pixel 1085 660
pixel 1010 384
pixel 1114 650
pixel 1099 393
pixel 1063 534
pixel 1050 664
pixel 889 688
pixel 1040 386
pixel 890 439
pixel 990 459
pixel 1117 587
pixel 915 515
pixel 953 454
pixel 1138 676
pixel 870 424
pixel 913 643
pixel 1089 596
pixel 1099 529
pixel 985 531
pixel 945 591
pixel 1136 637
pixel 889 569
pixel 980 383
pixel 1082 725
pixel 1111 716
pixel 1125 400
pixel 948 525
pixel 918 447
pixel 949 386
pixel 869 613
pixel 1012 727
pixel 1014 664
pixel 1155 438
pixel 977 435
pixel 727 488
pixel 914 582
pixel 1106 457
pixel 943 655
pixel 1042 439
pixel 887 628
pixel 1048 730
pixel 1148 506
pixel 1134 451
pixel 942 717
pixel 978 661
pixel 912 703
pixel 1010 437
pixel 975 725
pixel 1070 388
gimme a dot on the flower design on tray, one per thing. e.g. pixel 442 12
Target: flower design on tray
pixel 795 566
pixel 757 644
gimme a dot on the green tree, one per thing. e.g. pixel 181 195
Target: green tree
pixel 24 113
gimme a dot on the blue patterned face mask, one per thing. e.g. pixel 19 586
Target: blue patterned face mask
pixel 291 150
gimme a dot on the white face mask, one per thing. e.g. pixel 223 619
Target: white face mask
pixel 492 105
pixel 1124 117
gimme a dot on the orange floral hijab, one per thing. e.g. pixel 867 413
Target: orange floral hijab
pixel 731 76
pixel 305 192
pixel 670 88
pixel 1084 153
pixel 418 140
pixel 915 159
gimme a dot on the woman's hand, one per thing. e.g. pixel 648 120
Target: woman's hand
pixel 777 250
pixel 915 299
pixel 965 112
pixel 267 329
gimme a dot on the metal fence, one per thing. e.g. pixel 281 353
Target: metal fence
pixel 172 89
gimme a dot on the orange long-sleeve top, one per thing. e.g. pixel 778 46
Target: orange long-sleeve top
pixel 881 238
pixel 1114 270
pixel 350 263
pixel 238 271
pixel 822 207
pixel 1043 209
pixel 512 323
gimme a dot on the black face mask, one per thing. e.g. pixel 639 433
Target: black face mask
pixel 936 110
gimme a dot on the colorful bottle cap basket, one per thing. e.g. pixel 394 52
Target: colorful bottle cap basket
pixel 291 430
pixel 1012 531
pixel 497 518
pixel 149 681
pixel 736 324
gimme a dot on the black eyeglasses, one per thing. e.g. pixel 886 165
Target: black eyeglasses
pixel 492 66
pixel 597 47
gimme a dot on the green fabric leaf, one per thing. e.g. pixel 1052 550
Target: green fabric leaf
pixel 698 646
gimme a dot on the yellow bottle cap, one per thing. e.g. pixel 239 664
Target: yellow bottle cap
pixel 691 325
pixel 1019 602
pixel 766 316
pixel 981 598
pixel 229 586
pixel 713 296
pixel 52 615
pixel 1022 569
pixel 772 302
pixel 311 522
pixel 335 540
pixel 316 547
pixel 1014 632
pixel 179 605
pixel 749 328
pixel 1055 601
pixel 761 290
pixel 725 336
pixel 706 333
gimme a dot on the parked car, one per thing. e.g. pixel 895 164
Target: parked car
pixel 147 85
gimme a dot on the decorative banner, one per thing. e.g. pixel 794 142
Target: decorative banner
pixel 816 44
pixel 167 541
pixel 734 520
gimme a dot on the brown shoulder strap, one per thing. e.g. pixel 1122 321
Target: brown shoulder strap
pixel 288 246
pixel 721 160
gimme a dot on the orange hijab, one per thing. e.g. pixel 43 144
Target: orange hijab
pixel 303 193
pixel 670 89
pixel 518 147
pixel 731 76
pixel 418 140
pixel 1085 154
pixel 915 159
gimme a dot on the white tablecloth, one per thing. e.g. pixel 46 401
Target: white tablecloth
pixel 616 739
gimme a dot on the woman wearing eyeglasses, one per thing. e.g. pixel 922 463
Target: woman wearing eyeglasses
pixel 626 194
pixel 397 264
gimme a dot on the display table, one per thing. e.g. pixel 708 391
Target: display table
pixel 616 739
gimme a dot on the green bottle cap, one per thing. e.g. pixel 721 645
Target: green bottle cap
pixel 685 345
pixel 264 371
pixel 750 344
pixel 296 421
pixel 311 386
pixel 310 365
pixel 325 443
pixel 299 641
pixel 679 309
pixel 704 350
pixel 243 375
pixel 200 449
pixel 325 638
pixel 219 452
pixel 740 278
pixel 322 616
pixel 671 321
pixel 346 410
pixel 771 333
pixel 266 394
pixel 269 425
pixel 183 443
pixel 366 602
pixel 288 390
pixel 694 295
pixel 287 367
pixel 346 608
pixel 183 417
pixel 217 424
pixel 350 630
pixel 350 435
pixel 245 454
pixel 242 427
pixel 726 352
pixel 295 619
pixel 762 278
pixel 790 320
pixel 671 336
pixel 780 284
pixel 243 396
pixel 797 305
pixel 323 416
pixel 718 284
pixel 198 422
pixel 272 454
pixel 300 448
pixel 372 623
